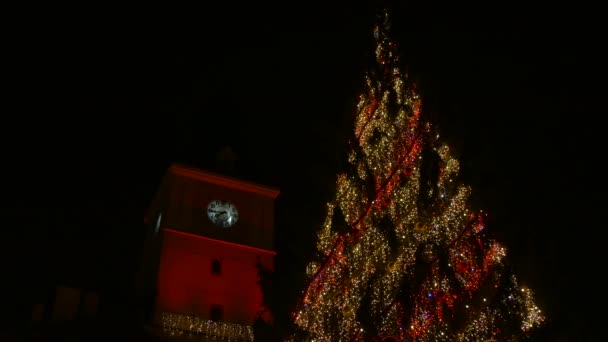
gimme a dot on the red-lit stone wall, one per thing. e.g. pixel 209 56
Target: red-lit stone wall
pixel 187 285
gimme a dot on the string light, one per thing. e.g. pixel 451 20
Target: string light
pixel 409 259
pixel 174 324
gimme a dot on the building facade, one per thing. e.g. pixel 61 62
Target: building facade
pixel 207 237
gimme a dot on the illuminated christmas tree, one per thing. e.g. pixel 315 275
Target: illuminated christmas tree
pixel 402 255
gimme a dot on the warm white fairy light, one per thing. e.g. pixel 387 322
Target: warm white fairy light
pixel 410 253
pixel 175 324
pixel 534 316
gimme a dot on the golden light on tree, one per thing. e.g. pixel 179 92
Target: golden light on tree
pixel 403 256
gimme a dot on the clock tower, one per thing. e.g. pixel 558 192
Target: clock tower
pixel 207 235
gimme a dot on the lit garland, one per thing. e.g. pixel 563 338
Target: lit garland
pixel 174 324
pixel 408 257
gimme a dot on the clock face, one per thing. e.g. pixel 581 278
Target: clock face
pixel 222 213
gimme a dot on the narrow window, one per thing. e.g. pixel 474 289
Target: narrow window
pixel 216 267
pixel 216 312
pixel 157 224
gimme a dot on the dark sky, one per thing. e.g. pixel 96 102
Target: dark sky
pixel 110 96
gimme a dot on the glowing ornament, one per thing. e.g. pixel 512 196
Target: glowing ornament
pixel 420 227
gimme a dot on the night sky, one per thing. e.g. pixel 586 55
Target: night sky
pixel 112 96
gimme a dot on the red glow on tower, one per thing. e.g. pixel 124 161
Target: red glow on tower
pixel 207 236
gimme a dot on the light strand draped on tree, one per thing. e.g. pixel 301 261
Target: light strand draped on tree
pixel 401 252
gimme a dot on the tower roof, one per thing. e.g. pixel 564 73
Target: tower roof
pixel 223 180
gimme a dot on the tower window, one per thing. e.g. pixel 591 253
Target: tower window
pixel 216 312
pixel 157 224
pixel 216 267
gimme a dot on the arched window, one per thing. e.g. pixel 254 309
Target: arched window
pixel 216 313
pixel 216 267
pixel 159 218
